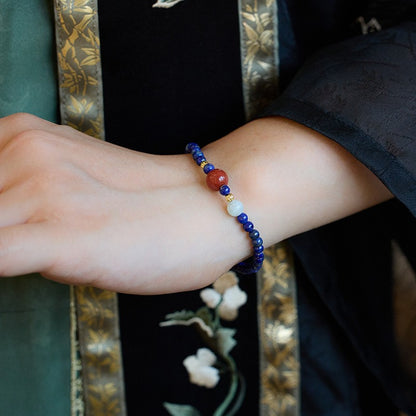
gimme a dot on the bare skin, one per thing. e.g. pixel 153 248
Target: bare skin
pixel 81 211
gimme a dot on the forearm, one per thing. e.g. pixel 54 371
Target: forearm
pixel 82 211
pixel 293 179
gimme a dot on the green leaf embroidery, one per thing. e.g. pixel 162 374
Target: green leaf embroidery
pixel 219 341
pixel 182 315
pixel 206 315
pixel 181 409
pixel 202 318
pixel 225 340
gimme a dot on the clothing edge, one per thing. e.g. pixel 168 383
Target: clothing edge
pixel 362 146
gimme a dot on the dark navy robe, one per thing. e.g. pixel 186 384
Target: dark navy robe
pixel 171 76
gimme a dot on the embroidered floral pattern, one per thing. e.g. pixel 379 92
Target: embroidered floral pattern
pixel 200 368
pixel 100 351
pixel 203 368
pixel 279 365
pixel 166 4
pixel 279 368
pixel 78 50
pixel 226 295
pixel 278 334
pixel 259 53
pixel 96 352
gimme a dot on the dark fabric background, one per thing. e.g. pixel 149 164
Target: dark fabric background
pixel 172 76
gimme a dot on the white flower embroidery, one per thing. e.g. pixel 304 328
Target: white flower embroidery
pixel 166 4
pixel 200 368
pixel 211 297
pixel 225 281
pixel 233 299
pixel 227 294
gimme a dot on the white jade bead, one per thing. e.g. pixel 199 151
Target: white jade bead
pixel 235 208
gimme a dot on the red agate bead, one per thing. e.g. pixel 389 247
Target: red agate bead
pixel 216 178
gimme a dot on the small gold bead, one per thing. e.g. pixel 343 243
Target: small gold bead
pixel 203 164
pixel 229 197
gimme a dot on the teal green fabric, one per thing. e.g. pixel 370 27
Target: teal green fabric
pixel 27 58
pixel 34 348
pixel 35 364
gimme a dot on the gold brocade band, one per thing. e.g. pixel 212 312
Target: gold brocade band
pixel 79 66
pixel 259 54
pixel 278 334
pixel 277 313
pixel 97 377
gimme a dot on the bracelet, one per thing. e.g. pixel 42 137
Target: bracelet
pixel 217 180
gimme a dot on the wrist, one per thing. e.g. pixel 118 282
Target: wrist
pixel 291 178
pixel 217 180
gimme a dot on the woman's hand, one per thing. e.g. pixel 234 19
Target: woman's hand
pixel 82 211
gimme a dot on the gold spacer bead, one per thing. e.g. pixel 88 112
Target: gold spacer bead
pixel 203 164
pixel 229 197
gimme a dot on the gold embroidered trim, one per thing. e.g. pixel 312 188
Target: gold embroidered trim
pixel 259 53
pixel 77 400
pixel 278 333
pixel 404 307
pixel 96 352
pixel 100 351
pixel 79 65
pixel 277 316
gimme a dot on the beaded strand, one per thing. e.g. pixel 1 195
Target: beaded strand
pixel 217 180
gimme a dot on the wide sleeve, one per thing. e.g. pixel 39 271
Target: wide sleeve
pixel 362 93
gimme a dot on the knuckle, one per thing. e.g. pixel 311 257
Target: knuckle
pixel 30 142
pixel 27 136
pixel 22 120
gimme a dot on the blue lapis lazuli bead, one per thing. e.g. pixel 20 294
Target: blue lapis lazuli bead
pixel 208 168
pixel 254 234
pixel 247 267
pixel 224 190
pixel 200 159
pixel 248 226
pixel 257 242
pixel 190 147
pixel 258 249
pixel 259 256
pixel 242 218
pixel 255 263
pixel 197 154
